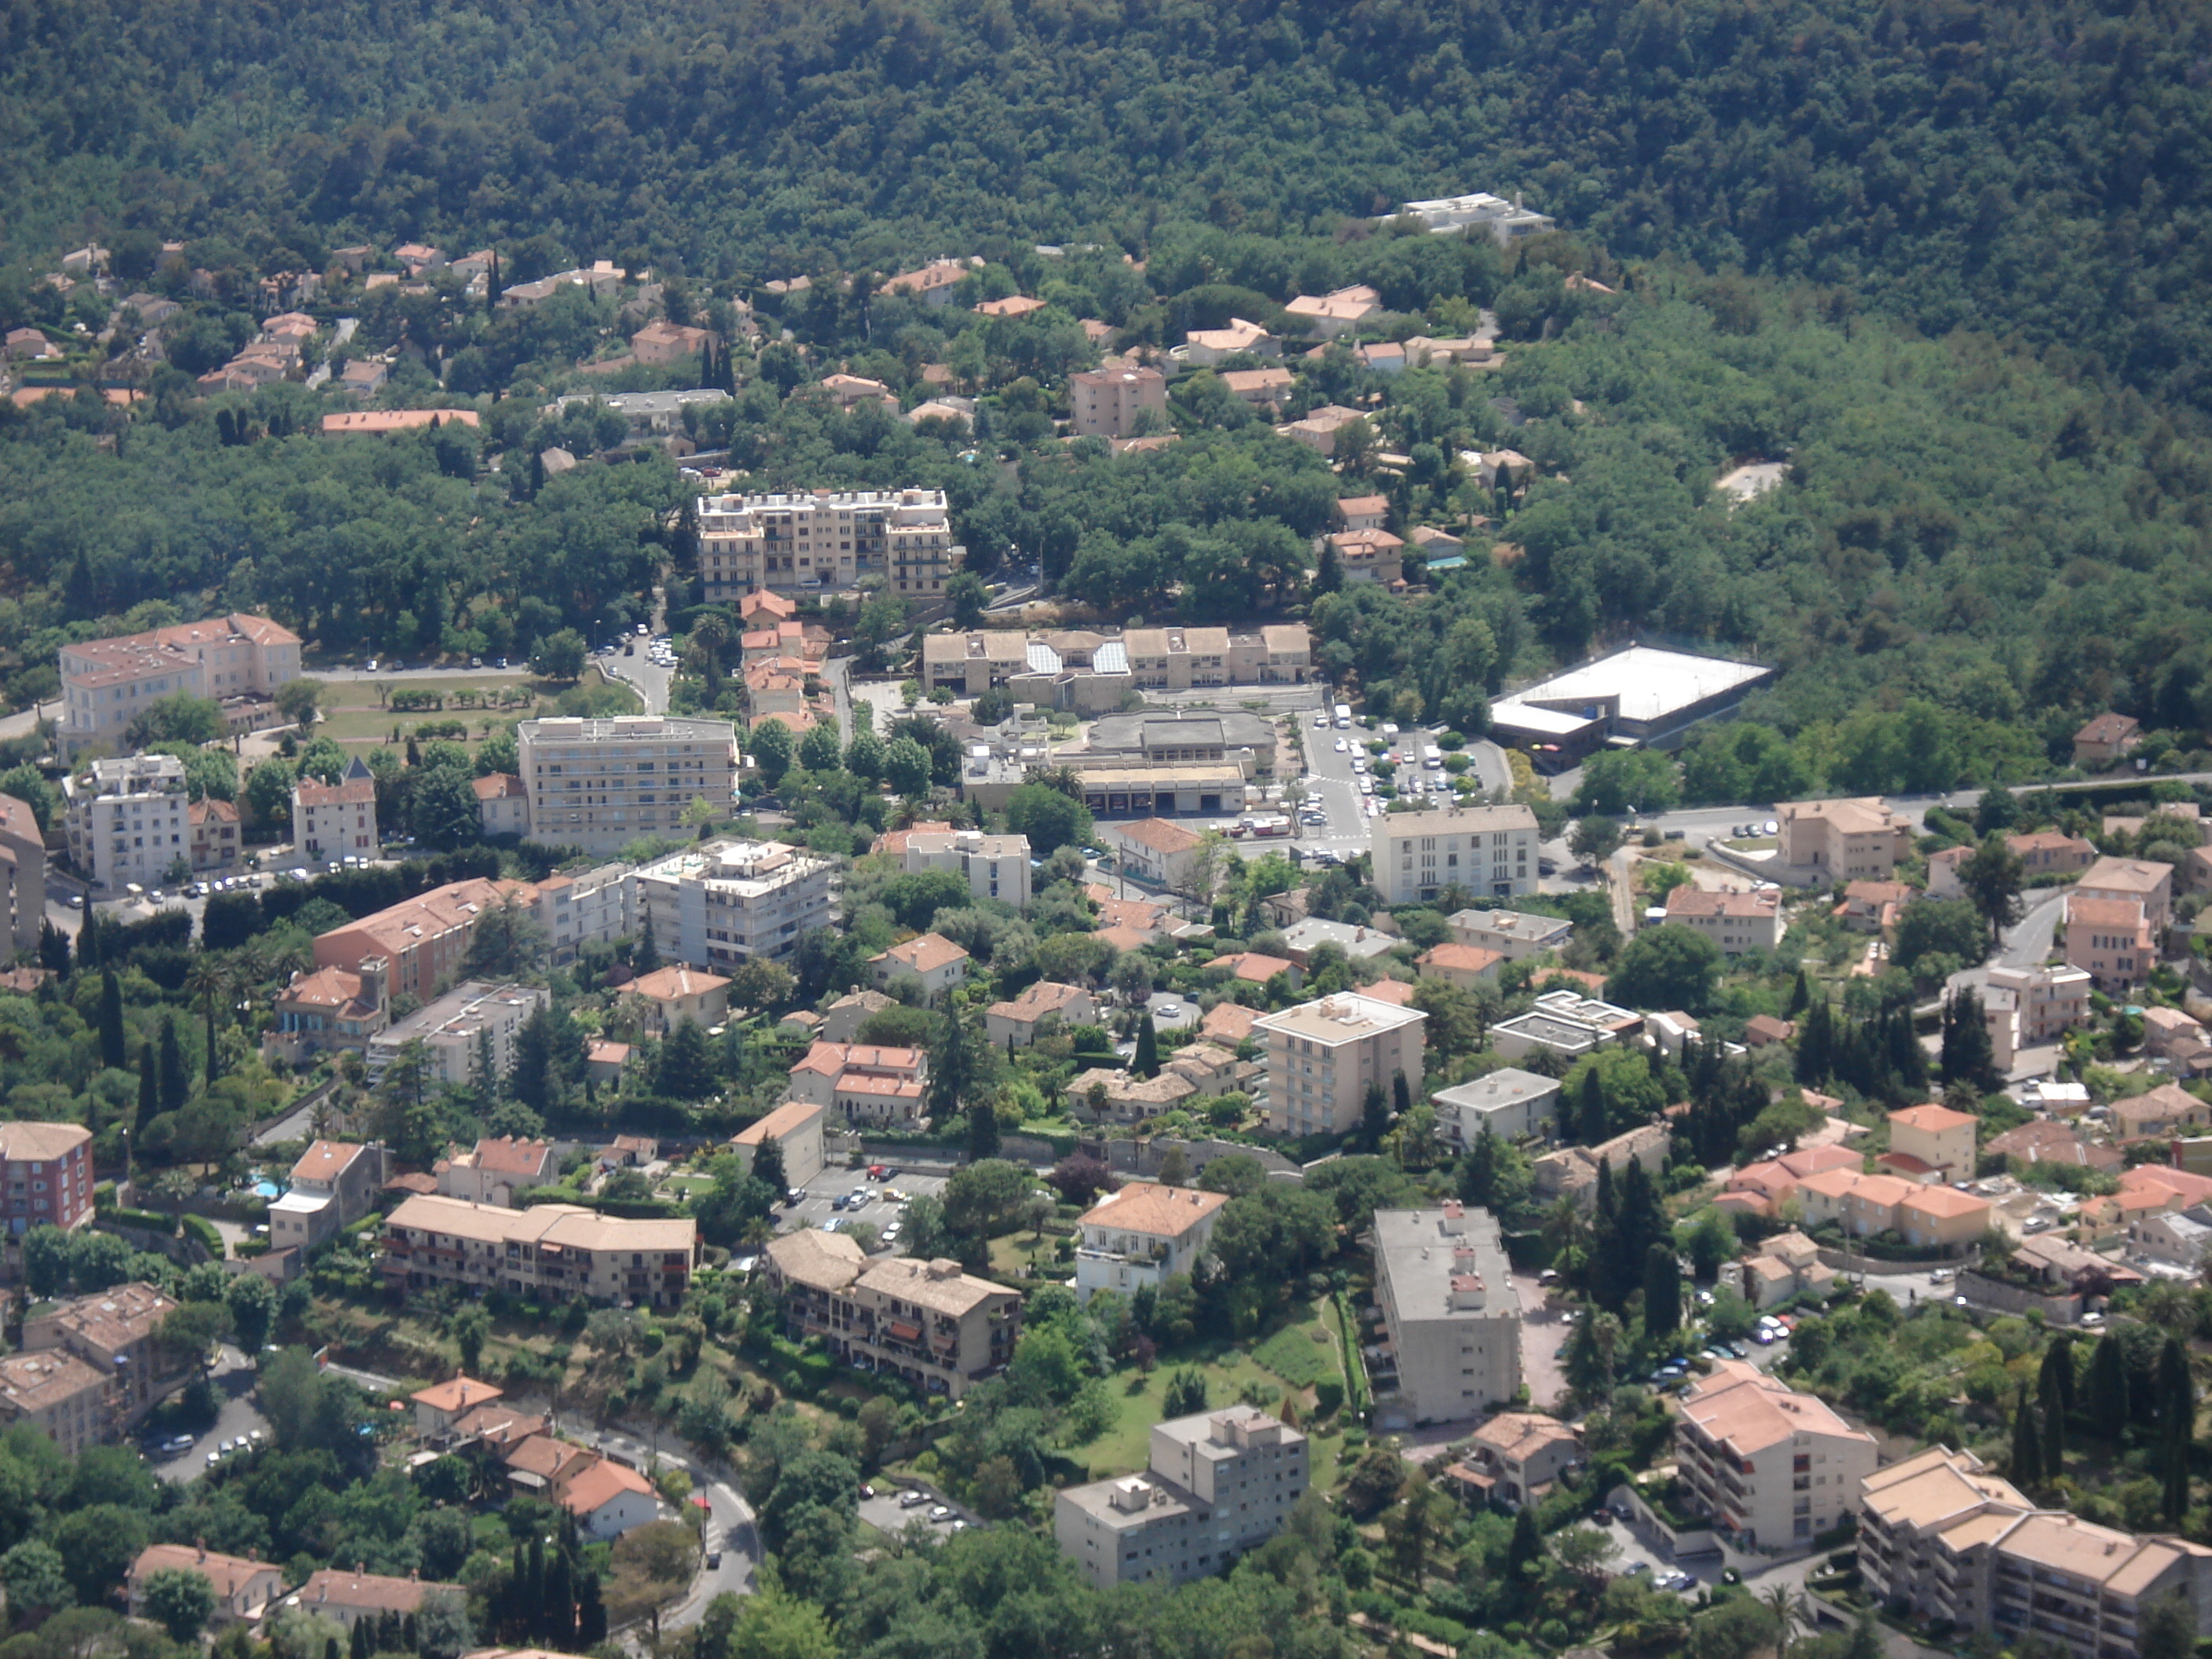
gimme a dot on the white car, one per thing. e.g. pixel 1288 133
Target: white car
pixel 1321 722
pixel 1170 1010
pixel 1342 747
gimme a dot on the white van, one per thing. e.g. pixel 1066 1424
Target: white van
pixel 1344 717
pixel 1432 758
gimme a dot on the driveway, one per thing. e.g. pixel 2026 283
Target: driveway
pixel 1184 1019
pixel 233 1377
pixel 1544 1330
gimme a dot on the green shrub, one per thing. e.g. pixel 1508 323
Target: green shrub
pixel 1293 1355
pixel 200 1228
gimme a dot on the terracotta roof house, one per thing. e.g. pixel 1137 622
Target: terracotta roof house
pixel 2106 738
pixel 936 961
pixel 243 1589
pixel 1230 1022
pixel 1014 1024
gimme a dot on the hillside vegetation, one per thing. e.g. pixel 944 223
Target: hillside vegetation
pixel 2038 167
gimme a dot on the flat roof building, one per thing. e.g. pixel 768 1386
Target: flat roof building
pixel 1637 696
pixel 470 1023
pixel 1217 1484
pixel 803 541
pixel 1511 1103
pixel 1320 1059
pixel 127 821
pixel 1480 849
pixel 1452 1317
pixel 601 784
pixel 725 902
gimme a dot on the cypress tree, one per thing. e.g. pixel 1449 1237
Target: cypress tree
pixel 1801 996
pixel 2027 1444
pixel 113 1052
pixel 1663 1291
pixel 149 1095
pixel 360 1642
pixel 2176 1416
pixel 331 1648
pixel 2054 1396
pixel 1401 1094
pixel 1147 1061
pixel 2107 1394
pixel 591 1612
pixel 1525 1548
pixel 176 1076
pixel 1590 1117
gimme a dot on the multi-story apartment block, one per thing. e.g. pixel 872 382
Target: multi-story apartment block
pixel 2132 881
pixel 47 1171
pixel 1941 1536
pixel 1770 1466
pixel 723 903
pixel 1078 669
pixel 2108 939
pixel 601 784
pixel 22 873
pixel 1106 402
pixel 1484 850
pixel 1736 922
pixel 592 907
pixel 472 1022
pixel 498 1169
pixel 1321 1058
pixel 244 1590
pixel 1447 1297
pixel 336 820
pixel 334 1184
pixel 127 821
pixel 1143 1235
pixel 826 540
pixel 59 1396
pixel 1849 840
pixel 2042 1001
pixel 864 1083
pixel 423 941
pixel 108 683
pixel 994 866
pixel 555 1251
pixel 117 1332
pixel 1217 1484
pixel 926 1322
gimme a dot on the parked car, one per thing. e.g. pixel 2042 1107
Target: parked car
pixel 940 1512
pixel 913 1500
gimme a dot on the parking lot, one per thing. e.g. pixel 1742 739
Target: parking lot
pixel 879 1211
pixel 888 1516
pixel 236 1420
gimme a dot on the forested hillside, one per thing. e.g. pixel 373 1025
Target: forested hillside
pixel 2037 167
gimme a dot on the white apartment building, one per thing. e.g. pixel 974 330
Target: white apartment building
pixel 1515 935
pixel 1770 1466
pixel 826 541
pixel 1484 849
pixel 336 820
pixel 725 902
pixel 1319 1057
pixel 994 866
pixel 1511 1103
pixel 1106 402
pixel 107 684
pixel 455 1028
pixel 2037 1003
pixel 1454 1319
pixel 1940 1534
pixel 593 907
pixel 1143 1235
pixel 127 821
pixel 1217 1484
pixel 1736 922
pixel 600 784
pixel 1504 222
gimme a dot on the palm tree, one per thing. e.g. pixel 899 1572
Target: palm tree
pixel 208 981
pixel 1785 1605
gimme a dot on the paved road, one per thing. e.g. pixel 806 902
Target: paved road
pixel 233 1377
pixel 887 1516
pixel 729 1523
